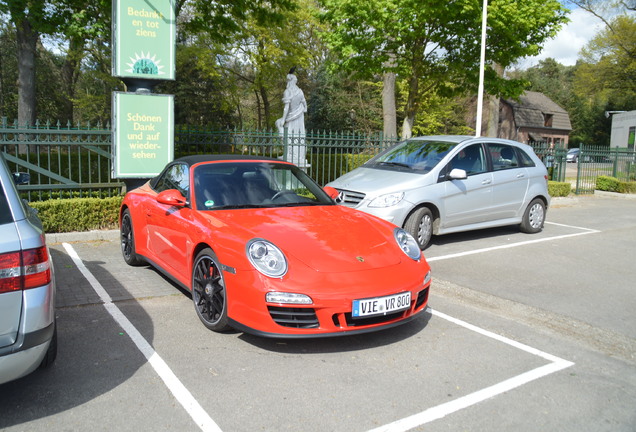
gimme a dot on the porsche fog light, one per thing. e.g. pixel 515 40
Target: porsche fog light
pixel 288 298
pixel 407 243
pixel 427 278
pixel 387 200
pixel 266 258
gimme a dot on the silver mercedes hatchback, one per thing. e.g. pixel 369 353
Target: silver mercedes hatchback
pixel 28 337
pixel 436 185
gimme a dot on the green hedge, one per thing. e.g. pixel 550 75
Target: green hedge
pixel 78 214
pixel 612 184
pixel 559 189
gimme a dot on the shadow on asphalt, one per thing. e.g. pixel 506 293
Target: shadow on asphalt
pixel 94 355
pixel 344 343
pixel 481 234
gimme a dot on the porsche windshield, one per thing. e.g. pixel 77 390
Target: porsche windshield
pixel 234 185
pixel 415 155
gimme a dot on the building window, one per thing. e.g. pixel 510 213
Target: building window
pixel 547 120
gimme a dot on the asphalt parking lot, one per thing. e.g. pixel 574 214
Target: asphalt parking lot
pixel 524 332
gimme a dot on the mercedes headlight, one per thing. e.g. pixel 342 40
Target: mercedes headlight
pixel 387 200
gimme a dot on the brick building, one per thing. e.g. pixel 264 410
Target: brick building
pixel 534 118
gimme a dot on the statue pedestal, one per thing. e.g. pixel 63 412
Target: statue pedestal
pixel 295 150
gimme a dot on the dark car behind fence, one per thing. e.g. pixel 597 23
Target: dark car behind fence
pixel 75 160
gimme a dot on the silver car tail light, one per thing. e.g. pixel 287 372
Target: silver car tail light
pixel 23 270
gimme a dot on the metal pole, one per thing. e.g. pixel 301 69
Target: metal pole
pixel 480 91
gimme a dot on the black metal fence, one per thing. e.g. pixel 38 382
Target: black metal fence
pixel 62 160
pixel 76 160
pixel 591 162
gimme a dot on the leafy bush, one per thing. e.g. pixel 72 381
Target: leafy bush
pixel 78 214
pixel 612 184
pixel 559 189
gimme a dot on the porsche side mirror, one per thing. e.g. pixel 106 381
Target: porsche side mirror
pixel 172 197
pixel 332 192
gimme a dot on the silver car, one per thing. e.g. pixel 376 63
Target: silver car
pixel 444 184
pixel 28 337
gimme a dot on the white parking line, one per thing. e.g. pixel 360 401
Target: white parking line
pixel 179 391
pixel 556 364
pixel 205 422
pixel 512 245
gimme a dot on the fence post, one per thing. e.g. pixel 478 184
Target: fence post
pixel 285 143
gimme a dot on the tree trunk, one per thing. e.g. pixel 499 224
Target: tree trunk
pixel 2 114
pixel 492 129
pixel 388 106
pixel 413 100
pixel 259 115
pixel 411 107
pixel 27 41
pixel 266 106
pixel 71 73
pixel 389 111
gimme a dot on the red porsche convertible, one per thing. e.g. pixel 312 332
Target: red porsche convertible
pixel 265 250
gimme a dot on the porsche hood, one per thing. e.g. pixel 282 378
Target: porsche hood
pixel 325 238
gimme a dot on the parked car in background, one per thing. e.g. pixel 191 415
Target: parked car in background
pixel 263 249
pixel 28 336
pixel 589 156
pixel 444 184
pixel 573 155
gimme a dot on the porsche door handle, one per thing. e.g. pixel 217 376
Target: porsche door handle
pixel 486 182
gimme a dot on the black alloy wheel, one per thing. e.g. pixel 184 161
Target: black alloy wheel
pixel 208 292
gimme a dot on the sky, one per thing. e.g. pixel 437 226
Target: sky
pixel 565 47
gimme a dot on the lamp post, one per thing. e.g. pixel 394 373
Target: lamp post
pixel 480 91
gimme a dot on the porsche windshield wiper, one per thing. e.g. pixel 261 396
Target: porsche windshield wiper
pixel 299 204
pixel 239 206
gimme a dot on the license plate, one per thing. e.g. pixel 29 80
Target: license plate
pixel 381 305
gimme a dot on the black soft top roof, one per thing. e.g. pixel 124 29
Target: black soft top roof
pixel 191 160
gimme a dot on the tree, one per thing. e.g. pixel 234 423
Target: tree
pixel 435 44
pixel 337 102
pixel 608 61
pixel 604 77
pixel 550 78
pixel 8 71
pixel 30 19
pixel 225 18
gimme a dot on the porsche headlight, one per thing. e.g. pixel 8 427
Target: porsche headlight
pixel 407 243
pixel 266 258
pixel 387 200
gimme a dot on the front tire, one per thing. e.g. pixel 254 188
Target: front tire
pixel 420 225
pixel 208 292
pixel 533 217
pixel 128 240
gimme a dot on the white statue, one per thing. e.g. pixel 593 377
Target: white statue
pixel 294 120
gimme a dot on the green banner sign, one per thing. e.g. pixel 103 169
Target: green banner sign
pixel 144 39
pixel 143 134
